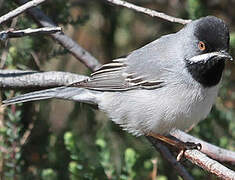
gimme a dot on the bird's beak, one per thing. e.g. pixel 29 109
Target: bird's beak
pixel 212 55
pixel 225 55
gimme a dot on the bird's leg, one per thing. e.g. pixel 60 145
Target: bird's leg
pixel 182 146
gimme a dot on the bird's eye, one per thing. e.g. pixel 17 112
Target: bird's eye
pixel 202 45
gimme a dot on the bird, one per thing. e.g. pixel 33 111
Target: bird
pixel 168 84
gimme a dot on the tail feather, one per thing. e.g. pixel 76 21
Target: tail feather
pixel 33 96
pixel 68 93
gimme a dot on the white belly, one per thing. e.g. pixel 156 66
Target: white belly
pixel 160 110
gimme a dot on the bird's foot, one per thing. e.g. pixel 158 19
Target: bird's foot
pixel 181 146
pixel 187 146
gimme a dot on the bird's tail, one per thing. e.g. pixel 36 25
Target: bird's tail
pixel 64 92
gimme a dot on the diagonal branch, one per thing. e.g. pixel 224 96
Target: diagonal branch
pixel 200 159
pixel 210 165
pixel 166 154
pixel 11 33
pixel 80 53
pixel 77 51
pixel 6 47
pixel 20 10
pixel 149 12
pixel 209 149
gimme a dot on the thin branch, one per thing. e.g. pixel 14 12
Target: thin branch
pixel 20 10
pixel 17 79
pixel 215 152
pixel 154 171
pixel 36 60
pixel 149 12
pixel 5 50
pixel 203 161
pixel 166 154
pixel 4 55
pixel 28 32
pixel 78 52
pixel 27 133
pixel 210 165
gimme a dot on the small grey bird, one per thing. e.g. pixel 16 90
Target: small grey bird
pixel 170 83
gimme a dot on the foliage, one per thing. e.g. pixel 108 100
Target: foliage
pixel 11 143
pixel 73 141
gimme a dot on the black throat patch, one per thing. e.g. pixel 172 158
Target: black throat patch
pixel 206 73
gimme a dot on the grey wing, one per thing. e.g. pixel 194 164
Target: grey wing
pixel 115 76
pixel 145 68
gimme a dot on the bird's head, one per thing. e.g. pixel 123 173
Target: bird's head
pixel 206 49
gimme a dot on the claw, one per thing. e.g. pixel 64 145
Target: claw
pixel 180 155
pixel 182 146
pixel 191 145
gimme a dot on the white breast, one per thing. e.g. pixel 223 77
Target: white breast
pixel 161 110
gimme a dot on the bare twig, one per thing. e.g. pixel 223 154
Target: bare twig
pixel 26 134
pixel 6 47
pixel 20 10
pixel 16 79
pixel 201 160
pixel 170 158
pixel 27 32
pixel 78 52
pixel 4 55
pixel 154 171
pixel 222 155
pixel 210 165
pixel 149 12
pixel 36 60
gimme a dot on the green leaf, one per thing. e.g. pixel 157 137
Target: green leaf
pixel 49 174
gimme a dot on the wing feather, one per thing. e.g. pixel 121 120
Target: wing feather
pixel 144 68
pixel 114 76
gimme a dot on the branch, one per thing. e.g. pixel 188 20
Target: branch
pixel 20 10
pixel 166 154
pixel 210 165
pixel 4 35
pixel 27 133
pixel 77 51
pixel 206 163
pixel 149 12
pixel 5 50
pixel 17 79
pixel 222 155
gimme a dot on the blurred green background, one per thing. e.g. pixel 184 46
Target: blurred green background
pixel 72 141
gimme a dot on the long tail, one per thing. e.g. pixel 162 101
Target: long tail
pixel 68 93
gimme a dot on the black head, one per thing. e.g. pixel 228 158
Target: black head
pixel 209 44
pixel 213 32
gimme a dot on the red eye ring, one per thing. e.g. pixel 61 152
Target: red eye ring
pixel 201 46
